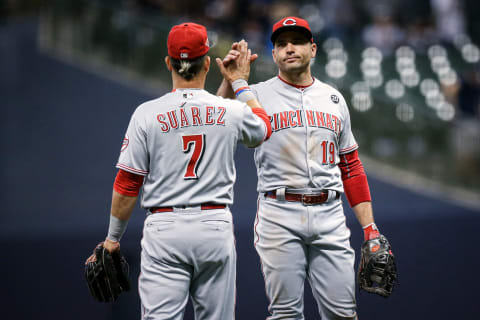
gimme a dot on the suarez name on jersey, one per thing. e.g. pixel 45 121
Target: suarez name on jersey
pixel 192 116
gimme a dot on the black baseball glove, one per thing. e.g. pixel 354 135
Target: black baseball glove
pixel 107 275
pixel 377 272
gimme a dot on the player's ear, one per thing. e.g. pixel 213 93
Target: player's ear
pixel 168 63
pixel 206 63
pixel 274 56
pixel 314 49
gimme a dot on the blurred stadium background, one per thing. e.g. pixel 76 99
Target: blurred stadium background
pixel 72 71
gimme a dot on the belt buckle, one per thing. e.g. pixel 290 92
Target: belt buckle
pixel 307 200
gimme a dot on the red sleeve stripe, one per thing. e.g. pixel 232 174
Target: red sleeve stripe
pixel 132 170
pixel 264 116
pixel 127 183
pixel 346 169
pixel 350 165
pixel 346 150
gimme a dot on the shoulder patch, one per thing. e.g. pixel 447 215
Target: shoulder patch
pixel 335 98
pixel 125 143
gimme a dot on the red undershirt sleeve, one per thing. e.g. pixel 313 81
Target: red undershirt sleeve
pixel 354 179
pixel 127 183
pixel 264 116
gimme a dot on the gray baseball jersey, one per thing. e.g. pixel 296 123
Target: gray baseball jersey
pixel 310 129
pixel 184 143
pixel 295 242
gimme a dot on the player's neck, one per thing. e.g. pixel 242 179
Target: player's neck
pixel 197 82
pixel 301 79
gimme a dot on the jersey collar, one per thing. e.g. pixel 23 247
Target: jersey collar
pixel 295 85
pixel 180 89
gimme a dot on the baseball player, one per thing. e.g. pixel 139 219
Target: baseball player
pixel 180 148
pixel 310 159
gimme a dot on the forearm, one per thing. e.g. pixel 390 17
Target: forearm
pixel 242 92
pixel 253 103
pixel 122 205
pixel 225 90
pixel 364 213
pixel 124 196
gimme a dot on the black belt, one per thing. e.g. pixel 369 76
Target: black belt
pixel 305 199
pixel 203 206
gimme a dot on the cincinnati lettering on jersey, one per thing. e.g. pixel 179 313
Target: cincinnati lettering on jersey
pixel 193 116
pixel 291 119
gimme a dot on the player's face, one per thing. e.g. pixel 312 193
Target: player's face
pixel 293 51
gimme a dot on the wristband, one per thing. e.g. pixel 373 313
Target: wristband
pixel 242 90
pixel 116 229
pixel 370 231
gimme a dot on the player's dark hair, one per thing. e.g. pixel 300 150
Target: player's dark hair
pixel 187 69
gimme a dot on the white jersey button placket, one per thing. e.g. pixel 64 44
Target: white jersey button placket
pixel 308 143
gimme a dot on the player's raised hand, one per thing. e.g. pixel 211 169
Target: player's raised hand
pixel 234 53
pixel 243 60
pixel 238 68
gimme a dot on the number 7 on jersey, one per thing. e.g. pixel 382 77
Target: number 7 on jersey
pixel 198 142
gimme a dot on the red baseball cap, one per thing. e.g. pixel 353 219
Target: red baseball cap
pixel 187 41
pixel 291 24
